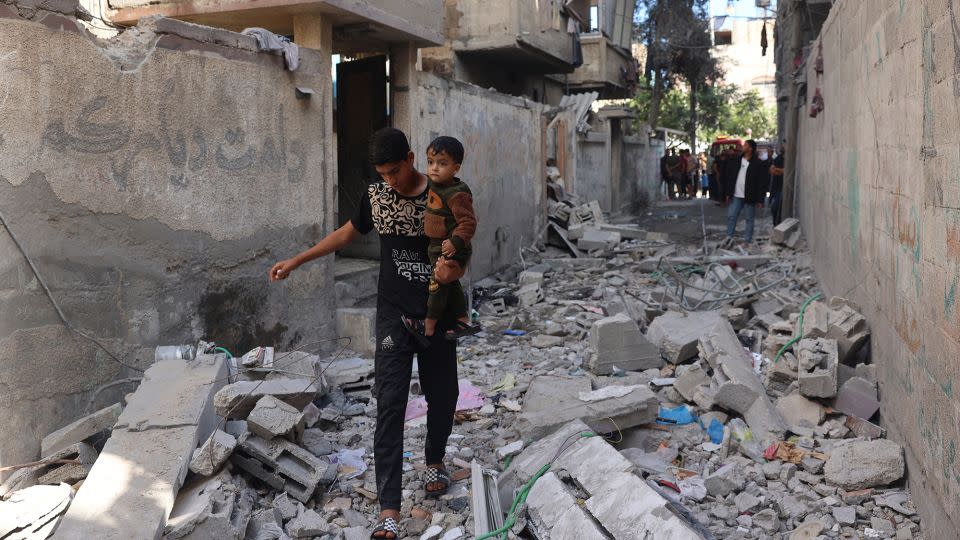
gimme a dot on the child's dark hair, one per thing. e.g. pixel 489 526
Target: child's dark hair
pixel 447 145
pixel 388 145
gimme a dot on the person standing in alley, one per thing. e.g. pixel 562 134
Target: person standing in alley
pixel 749 190
pixel 776 185
pixel 396 208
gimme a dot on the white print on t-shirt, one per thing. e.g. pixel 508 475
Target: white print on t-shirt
pixel 393 214
pixel 410 266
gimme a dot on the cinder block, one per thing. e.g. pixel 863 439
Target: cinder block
pixel 273 418
pixel 280 464
pixel 617 341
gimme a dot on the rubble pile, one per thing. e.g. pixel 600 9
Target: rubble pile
pixel 654 387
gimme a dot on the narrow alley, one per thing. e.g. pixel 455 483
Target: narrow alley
pixel 488 269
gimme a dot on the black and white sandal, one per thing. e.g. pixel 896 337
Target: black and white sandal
pixel 416 328
pixel 386 525
pixel 436 475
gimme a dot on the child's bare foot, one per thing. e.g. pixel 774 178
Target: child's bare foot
pixel 429 327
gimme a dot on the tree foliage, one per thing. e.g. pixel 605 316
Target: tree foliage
pixel 722 109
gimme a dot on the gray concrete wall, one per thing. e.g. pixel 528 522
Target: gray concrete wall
pixel 504 163
pixel 641 166
pixel 640 179
pixel 153 183
pixel 592 181
pixel 879 198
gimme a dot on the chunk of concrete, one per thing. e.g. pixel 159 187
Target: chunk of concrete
pixel 280 464
pixel 130 490
pixel 349 373
pixel 818 363
pixel 857 397
pixel 677 333
pixel 235 401
pixel 859 464
pixel 33 512
pixel 273 418
pixel 80 430
pixel 617 341
pixel 213 453
pixel 551 402
pixel 307 524
pixel 725 480
pixel 527 277
pixel 203 510
pixel 360 325
pixel 848 326
pixel 799 411
pixel 738 386
pixel 530 295
pixel 690 381
pixel 784 230
pixel 594 239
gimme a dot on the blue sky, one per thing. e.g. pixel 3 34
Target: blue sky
pixel 741 8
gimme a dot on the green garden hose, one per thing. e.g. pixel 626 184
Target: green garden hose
pixel 223 350
pixel 796 338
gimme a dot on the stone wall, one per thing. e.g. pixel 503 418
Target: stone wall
pixel 879 199
pixel 153 179
pixel 639 181
pixel 504 163
pixel 641 170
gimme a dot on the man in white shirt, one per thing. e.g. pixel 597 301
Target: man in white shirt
pixel 748 192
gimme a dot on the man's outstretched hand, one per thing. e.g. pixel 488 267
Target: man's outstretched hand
pixel 282 269
pixel 447 271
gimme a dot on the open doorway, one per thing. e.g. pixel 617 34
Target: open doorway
pixel 361 109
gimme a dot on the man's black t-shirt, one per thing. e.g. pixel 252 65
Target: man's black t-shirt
pixel 404 267
pixel 776 180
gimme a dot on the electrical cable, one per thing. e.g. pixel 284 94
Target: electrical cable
pixel 521 496
pixel 56 306
pixel 796 338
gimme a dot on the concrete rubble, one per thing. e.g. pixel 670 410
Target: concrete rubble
pixel 660 380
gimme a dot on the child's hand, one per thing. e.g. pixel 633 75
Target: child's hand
pixel 447 248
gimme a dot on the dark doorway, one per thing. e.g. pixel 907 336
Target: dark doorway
pixel 361 110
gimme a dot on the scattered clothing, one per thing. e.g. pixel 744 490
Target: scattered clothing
pixel 268 41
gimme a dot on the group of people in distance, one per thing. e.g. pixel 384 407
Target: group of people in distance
pixel 739 178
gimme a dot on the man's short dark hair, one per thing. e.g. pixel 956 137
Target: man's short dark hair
pixel 388 145
pixel 753 145
pixel 447 145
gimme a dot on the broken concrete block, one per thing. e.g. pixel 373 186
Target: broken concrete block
pixel 857 397
pixel 553 401
pixel 863 428
pixel 202 510
pixel 273 418
pixel 307 524
pixel 816 320
pixel 738 386
pixel 511 449
pixel 168 415
pixel 799 411
pixel 575 230
pixel 677 333
pixel 859 464
pixel 625 231
pixel 70 473
pixel 235 401
pixel 690 381
pixel 530 294
pixel 784 230
pixel 213 453
pixel 347 373
pixel 594 239
pixel 617 341
pixel 545 342
pixel 527 277
pixel 848 327
pixel 280 464
pixel 725 480
pixel 80 430
pixel 360 325
pixel 818 363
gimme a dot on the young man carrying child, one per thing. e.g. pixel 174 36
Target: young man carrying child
pixel 450 223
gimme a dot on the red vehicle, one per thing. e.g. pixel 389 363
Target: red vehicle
pixel 722 144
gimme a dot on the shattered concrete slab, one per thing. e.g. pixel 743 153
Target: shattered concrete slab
pixel 555 513
pixel 858 397
pixel 617 341
pixel 235 401
pixel 70 473
pixel 677 333
pixel 738 387
pixel 34 512
pixel 80 430
pixel 638 406
pixel 204 510
pixel 691 380
pixel 130 491
pixel 349 373
pixel 799 411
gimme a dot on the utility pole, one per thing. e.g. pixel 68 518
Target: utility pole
pixel 793 114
